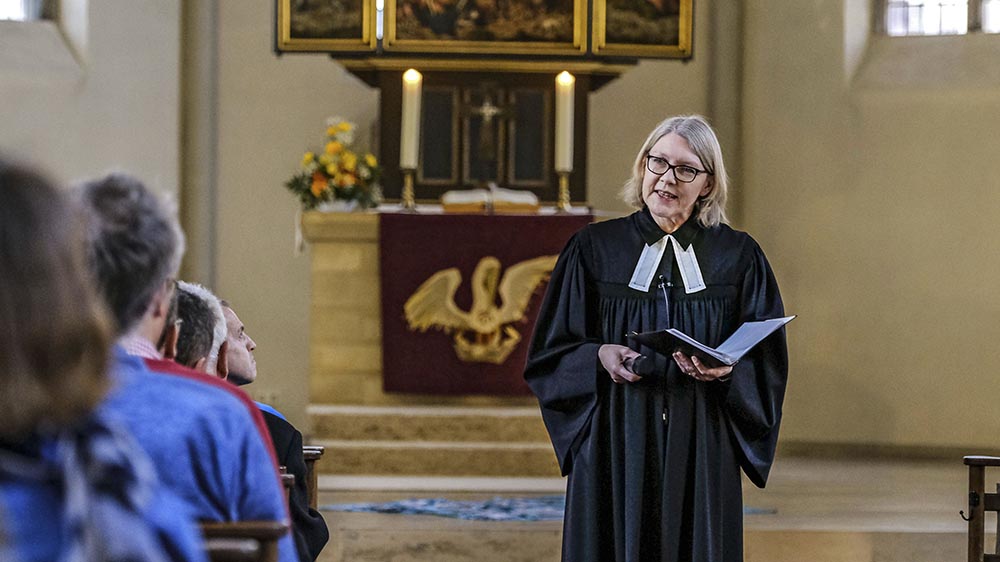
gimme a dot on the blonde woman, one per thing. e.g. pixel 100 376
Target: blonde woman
pixel 653 446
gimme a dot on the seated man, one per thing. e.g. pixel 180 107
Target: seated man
pixel 311 533
pixel 70 481
pixel 202 439
pixel 201 343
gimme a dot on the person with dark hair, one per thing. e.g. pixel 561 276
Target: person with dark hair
pixel 70 480
pixel 654 455
pixel 207 444
pixel 166 344
pixel 201 345
pixel 308 526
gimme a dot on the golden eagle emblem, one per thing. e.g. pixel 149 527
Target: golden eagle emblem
pixel 484 334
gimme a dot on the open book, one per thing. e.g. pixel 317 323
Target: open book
pixel 495 199
pixel 732 350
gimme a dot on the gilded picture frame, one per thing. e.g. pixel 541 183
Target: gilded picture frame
pixel 326 26
pixel 514 27
pixel 643 28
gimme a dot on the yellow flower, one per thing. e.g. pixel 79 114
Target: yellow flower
pixel 325 160
pixel 331 170
pixel 333 147
pixel 344 126
pixel 331 130
pixel 347 179
pixel 349 160
pixel 370 160
pixel 307 158
pixel 319 184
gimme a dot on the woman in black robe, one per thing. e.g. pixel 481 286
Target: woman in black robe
pixel 653 461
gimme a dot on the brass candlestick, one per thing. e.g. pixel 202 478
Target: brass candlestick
pixel 563 204
pixel 409 204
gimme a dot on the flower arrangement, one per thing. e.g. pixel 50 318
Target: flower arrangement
pixel 337 173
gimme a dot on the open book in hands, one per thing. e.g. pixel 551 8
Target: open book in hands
pixel 732 350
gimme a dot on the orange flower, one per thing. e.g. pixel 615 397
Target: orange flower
pixel 318 184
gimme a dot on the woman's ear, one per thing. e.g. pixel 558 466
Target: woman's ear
pixel 705 191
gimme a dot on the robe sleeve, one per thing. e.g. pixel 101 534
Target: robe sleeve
pixel 562 361
pixel 757 387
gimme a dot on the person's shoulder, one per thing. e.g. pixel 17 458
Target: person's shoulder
pixel 740 247
pixel 277 422
pixel 726 235
pixel 190 390
pixel 196 379
pixel 612 226
pixel 269 409
pixel 281 430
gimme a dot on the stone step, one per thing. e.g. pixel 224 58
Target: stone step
pixel 428 423
pixel 436 458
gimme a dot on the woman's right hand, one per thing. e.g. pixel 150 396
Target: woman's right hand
pixel 613 358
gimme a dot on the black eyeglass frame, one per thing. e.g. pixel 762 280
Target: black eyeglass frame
pixel 673 168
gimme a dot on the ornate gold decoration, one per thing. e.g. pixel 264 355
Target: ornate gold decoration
pixel 485 333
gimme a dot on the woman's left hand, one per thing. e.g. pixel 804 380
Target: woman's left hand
pixel 690 365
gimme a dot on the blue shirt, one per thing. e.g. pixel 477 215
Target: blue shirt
pixel 269 409
pixel 94 481
pixel 204 445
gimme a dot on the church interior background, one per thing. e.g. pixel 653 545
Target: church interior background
pixel 864 165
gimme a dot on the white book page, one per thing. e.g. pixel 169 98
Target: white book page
pixel 749 335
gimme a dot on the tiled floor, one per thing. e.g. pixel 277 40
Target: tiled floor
pixel 824 510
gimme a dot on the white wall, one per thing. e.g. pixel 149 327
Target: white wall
pixel 111 103
pixel 875 195
pixel 271 110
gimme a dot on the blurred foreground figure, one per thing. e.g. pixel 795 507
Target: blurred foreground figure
pixel 72 486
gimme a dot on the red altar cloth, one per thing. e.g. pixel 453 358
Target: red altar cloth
pixel 414 248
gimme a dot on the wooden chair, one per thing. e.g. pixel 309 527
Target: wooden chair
pixel 243 541
pixel 979 503
pixel 312 453
pixel 287 481
pixel 232 550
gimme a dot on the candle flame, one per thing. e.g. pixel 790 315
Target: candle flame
pixel 565 78
pixel 412 76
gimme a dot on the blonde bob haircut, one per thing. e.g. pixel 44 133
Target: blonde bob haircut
pixel 710 210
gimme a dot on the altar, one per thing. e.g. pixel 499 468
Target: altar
pixel 430 389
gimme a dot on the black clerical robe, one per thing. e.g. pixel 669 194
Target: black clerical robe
pixel 654 467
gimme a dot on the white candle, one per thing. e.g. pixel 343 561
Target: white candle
pixel 409 138
pixel 565 83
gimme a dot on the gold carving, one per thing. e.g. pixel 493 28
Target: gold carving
pixel 484 334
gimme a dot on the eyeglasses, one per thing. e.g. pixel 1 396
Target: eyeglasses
pixel 682 172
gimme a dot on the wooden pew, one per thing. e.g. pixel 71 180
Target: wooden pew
pixel 243 541
pixel 311 454
pixel 980 502
pixel 287 482
pixel 232 550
